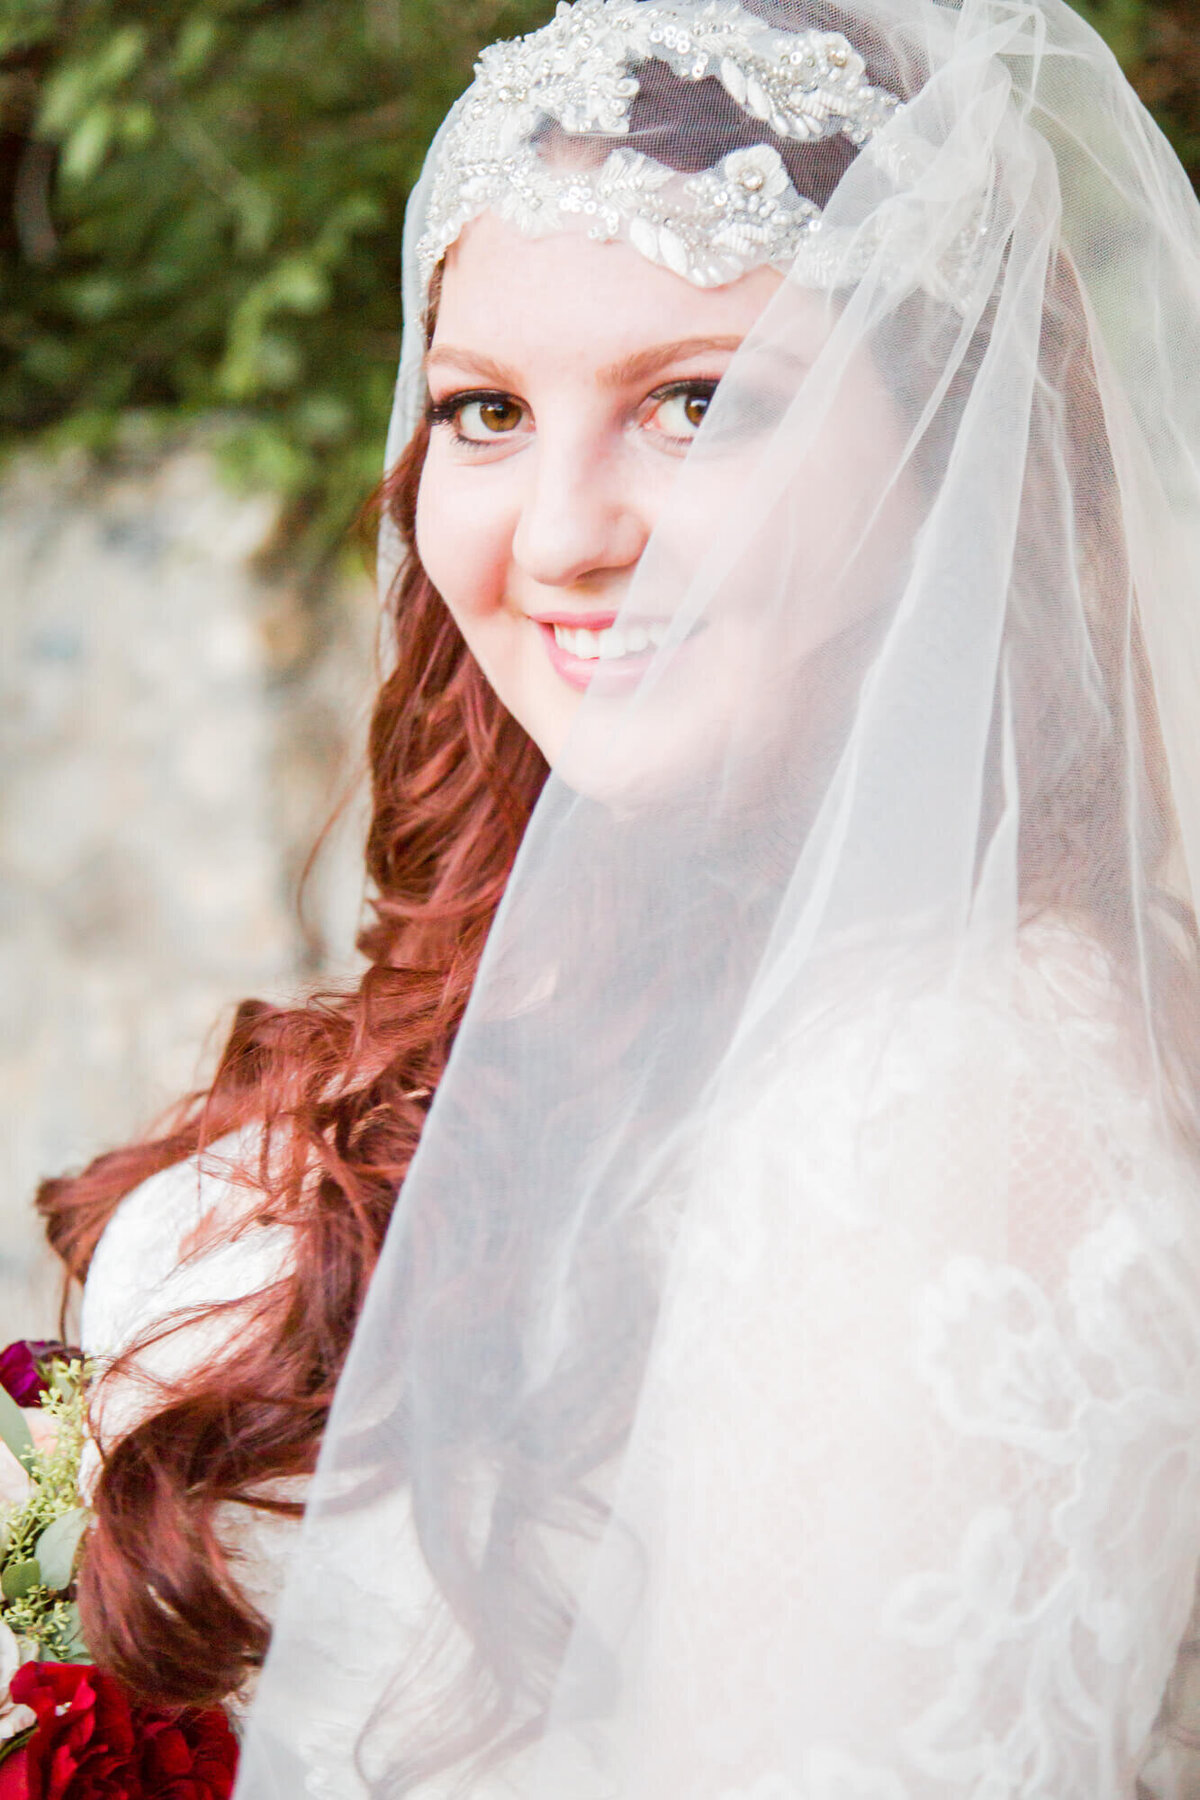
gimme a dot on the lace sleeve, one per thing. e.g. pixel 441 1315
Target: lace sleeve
pixel 178 1245
pixel 165 1282
pixel 1008 1384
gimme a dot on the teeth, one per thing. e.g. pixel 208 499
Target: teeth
pixel 606 646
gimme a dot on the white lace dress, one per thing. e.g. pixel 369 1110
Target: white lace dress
pixel 1046 1490
pixel 168 1252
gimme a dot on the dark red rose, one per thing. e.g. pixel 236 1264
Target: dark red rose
pixel 21 1367
pixel 92 1742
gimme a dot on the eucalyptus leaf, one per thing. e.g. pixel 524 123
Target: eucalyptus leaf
pixel 74 1648
pixel 56 1548
pixel 20 1579
pixel 14 1429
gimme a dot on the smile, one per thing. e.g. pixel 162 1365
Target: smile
pixel 577 652
pixel 610 643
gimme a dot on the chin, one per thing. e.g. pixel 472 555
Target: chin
pixel 548 719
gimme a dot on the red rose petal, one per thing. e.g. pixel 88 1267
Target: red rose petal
pixel 171 1754
pixel 15 1777
pixel 93 1743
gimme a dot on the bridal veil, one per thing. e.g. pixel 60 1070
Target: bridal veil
pixel 782 1377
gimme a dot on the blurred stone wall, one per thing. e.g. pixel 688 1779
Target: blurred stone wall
pixel 175 728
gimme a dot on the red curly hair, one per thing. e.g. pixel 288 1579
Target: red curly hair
pixel 336 1092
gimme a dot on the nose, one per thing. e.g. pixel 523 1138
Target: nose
pixel 581 515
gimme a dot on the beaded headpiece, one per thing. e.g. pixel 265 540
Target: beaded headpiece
pixel 578 73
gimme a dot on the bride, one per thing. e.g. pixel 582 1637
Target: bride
pixel 780 1374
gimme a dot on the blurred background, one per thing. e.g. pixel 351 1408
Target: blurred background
pixel 200 222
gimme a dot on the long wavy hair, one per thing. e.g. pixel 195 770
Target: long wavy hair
pixel 334 1093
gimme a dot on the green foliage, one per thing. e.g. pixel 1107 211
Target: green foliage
pixel 1158 45
pixel 40 1538
pixel 201 206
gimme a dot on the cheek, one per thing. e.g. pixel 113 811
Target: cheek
pixel 464 537
pixel 852 517
pixel 864 450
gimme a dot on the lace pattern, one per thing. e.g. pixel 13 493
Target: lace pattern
pixel 577 72
pixel 1035 1404
pixel 1044 1420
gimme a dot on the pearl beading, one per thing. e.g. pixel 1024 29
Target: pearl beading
pixel 576 72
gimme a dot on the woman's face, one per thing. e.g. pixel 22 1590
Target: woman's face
pixel 568 380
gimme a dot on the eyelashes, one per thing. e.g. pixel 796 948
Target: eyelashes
pixel 480 417
pixel 695 398
pixel 496 413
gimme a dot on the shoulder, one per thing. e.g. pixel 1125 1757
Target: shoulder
pixel 883 1024
pixel 171 1295
pixel 185 1239
pixel 902 1083
pixel 170 1292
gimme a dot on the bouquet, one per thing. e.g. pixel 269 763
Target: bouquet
pixel 68 1730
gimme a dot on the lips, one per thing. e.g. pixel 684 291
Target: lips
pixel 580 646
pixel 611 643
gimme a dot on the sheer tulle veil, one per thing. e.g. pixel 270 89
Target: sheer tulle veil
pixel 782 1377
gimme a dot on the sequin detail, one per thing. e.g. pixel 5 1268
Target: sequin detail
pixel 577 73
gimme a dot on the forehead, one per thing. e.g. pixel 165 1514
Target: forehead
pixel 569 302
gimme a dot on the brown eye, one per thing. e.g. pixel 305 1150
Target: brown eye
pixel 499 415
pixel 680 412
pixel 491 416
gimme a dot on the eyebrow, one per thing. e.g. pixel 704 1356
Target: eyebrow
pixel 629 369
